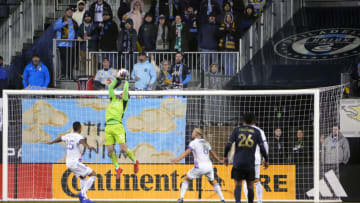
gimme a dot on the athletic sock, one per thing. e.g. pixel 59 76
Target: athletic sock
pixel 259 191
pixel 237 193
pixel 82 183
pixel 131 155
pixel 87 186
pixel 250 195
pixel 245 189
pixel 218 191
pixel 184 187
pixel 114 160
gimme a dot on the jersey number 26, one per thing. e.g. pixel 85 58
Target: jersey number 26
pixel 245 141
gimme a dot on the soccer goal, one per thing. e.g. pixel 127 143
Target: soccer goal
pixel 158 128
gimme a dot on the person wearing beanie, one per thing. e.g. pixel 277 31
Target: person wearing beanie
pixel 147 34
pixel 108 33
pixel 79 13
pixel 162 34
pixel 127 43
pixel 88 31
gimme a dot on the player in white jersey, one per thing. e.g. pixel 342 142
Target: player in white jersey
pixel 73 160
pixel 203 165
pixel 257 183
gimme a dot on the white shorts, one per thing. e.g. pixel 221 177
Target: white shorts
pixel 198 172
pixel 79 169
pixel 257 171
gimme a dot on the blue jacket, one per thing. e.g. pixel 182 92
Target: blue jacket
pixel 64 31
pixel 4 81
pixel 36 76
pixel 146 74
pixel 207 36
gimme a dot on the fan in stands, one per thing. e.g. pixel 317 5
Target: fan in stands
pixel 122 73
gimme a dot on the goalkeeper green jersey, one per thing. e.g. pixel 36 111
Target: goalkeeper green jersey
pixel 117 107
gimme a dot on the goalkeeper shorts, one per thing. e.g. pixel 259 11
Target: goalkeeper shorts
pixel 115 134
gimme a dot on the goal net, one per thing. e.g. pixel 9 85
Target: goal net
pixel 158 128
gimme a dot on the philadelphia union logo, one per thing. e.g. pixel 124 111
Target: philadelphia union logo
pixel 326 44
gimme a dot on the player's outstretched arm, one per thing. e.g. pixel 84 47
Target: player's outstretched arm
pixel 111 90
pixel 85 144
pixel 183 155
pixel 215 156
pixel 57 140
pixel 126 91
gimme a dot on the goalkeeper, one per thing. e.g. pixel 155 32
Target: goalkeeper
pixel 114 130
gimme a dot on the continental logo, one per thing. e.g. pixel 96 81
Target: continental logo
pixel 324 44
pixel 163 182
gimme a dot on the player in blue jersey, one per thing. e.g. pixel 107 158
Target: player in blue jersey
pixel 246 138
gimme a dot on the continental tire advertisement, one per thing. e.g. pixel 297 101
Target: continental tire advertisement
pixel 162 181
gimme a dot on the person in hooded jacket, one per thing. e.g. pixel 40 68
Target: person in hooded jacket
pixel 78 15
pixel 162 34
pixel 147 34
pixel 127 43
pixel 136 14
pixel 97 8
pixel 228 42
pixel 124 8
pixel 247 19
pixel 36 74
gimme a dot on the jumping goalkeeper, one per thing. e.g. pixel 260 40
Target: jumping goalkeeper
pixel 114 130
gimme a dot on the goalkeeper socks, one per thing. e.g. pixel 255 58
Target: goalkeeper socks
pixel 237 193
pixel 259 191
pixel 250 195
pixel 245 189
pixel 218 191
pixel 115 160
pixel 131 155
pixel 88 184
pixel 184 187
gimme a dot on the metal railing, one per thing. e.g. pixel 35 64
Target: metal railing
pixel 275 16
pixel 21 25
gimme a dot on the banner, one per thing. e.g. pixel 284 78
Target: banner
pixel 155 128
pixel 350 117
pixel 162 181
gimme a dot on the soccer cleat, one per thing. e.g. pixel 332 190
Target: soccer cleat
pixel 81 197
pixel 118 173
pixel 136 166
pixel 181 200
pixel 222 201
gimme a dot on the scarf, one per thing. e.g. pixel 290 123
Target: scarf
pixel 106 27
pixel 178 73
pixel 178 37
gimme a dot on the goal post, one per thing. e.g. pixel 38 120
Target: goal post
pixel 158 126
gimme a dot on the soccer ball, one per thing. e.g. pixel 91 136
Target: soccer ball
pixel 122 73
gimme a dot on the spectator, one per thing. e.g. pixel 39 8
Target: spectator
pixel 97 9
pixel 214 78
pixel 105 76
pixel 163 80
pixel 335 150
pixel 225 9
pixel 277 149
pixel 258 6
pixel 4 80
pixel 127 38
pixel 123 9
pixel 36 74
pixel 108 33
pixel 191 21
pixel 303 158
pixel 247 19
pixel 238 7
pixel 147 34
pixel 143 73
pixel 168 8
pixel 192 3
pixel 88 31
pixel 136 14
pixel 162 34
pixel 180 73
pixel 208 42
pixel 66 29
pixel 79 13
pixel 179 35
pixel 207 7
pixel 228 35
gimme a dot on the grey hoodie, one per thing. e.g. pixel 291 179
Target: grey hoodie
pixel 335 150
